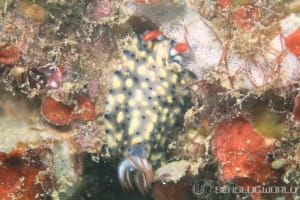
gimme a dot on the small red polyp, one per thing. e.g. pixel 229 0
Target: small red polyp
pixel 9 53
pixel 246 16
pixel 292 42
pixel 58 113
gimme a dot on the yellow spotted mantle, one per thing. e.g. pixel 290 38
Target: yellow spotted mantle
pixel 147 99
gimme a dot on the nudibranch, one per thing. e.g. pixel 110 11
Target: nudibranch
pixel 146 101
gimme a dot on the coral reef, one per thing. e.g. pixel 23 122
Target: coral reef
pixel 24 175
pixel 205 91
pixel 243 153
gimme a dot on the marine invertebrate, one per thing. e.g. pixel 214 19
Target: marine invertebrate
pixel 21 179
pixel 151 35
pixel 240 55
pixel 292 42
pixel 53 74
pixel 58 113
pixel 243 154
pixel 45 149
pixel 144 104
pixel 9 53
pixel 179 48
pixel 246 16
pixel 17 72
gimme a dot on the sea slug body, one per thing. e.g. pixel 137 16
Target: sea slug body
pixel 146 101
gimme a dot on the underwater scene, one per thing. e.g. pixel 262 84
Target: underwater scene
pixel 149 99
